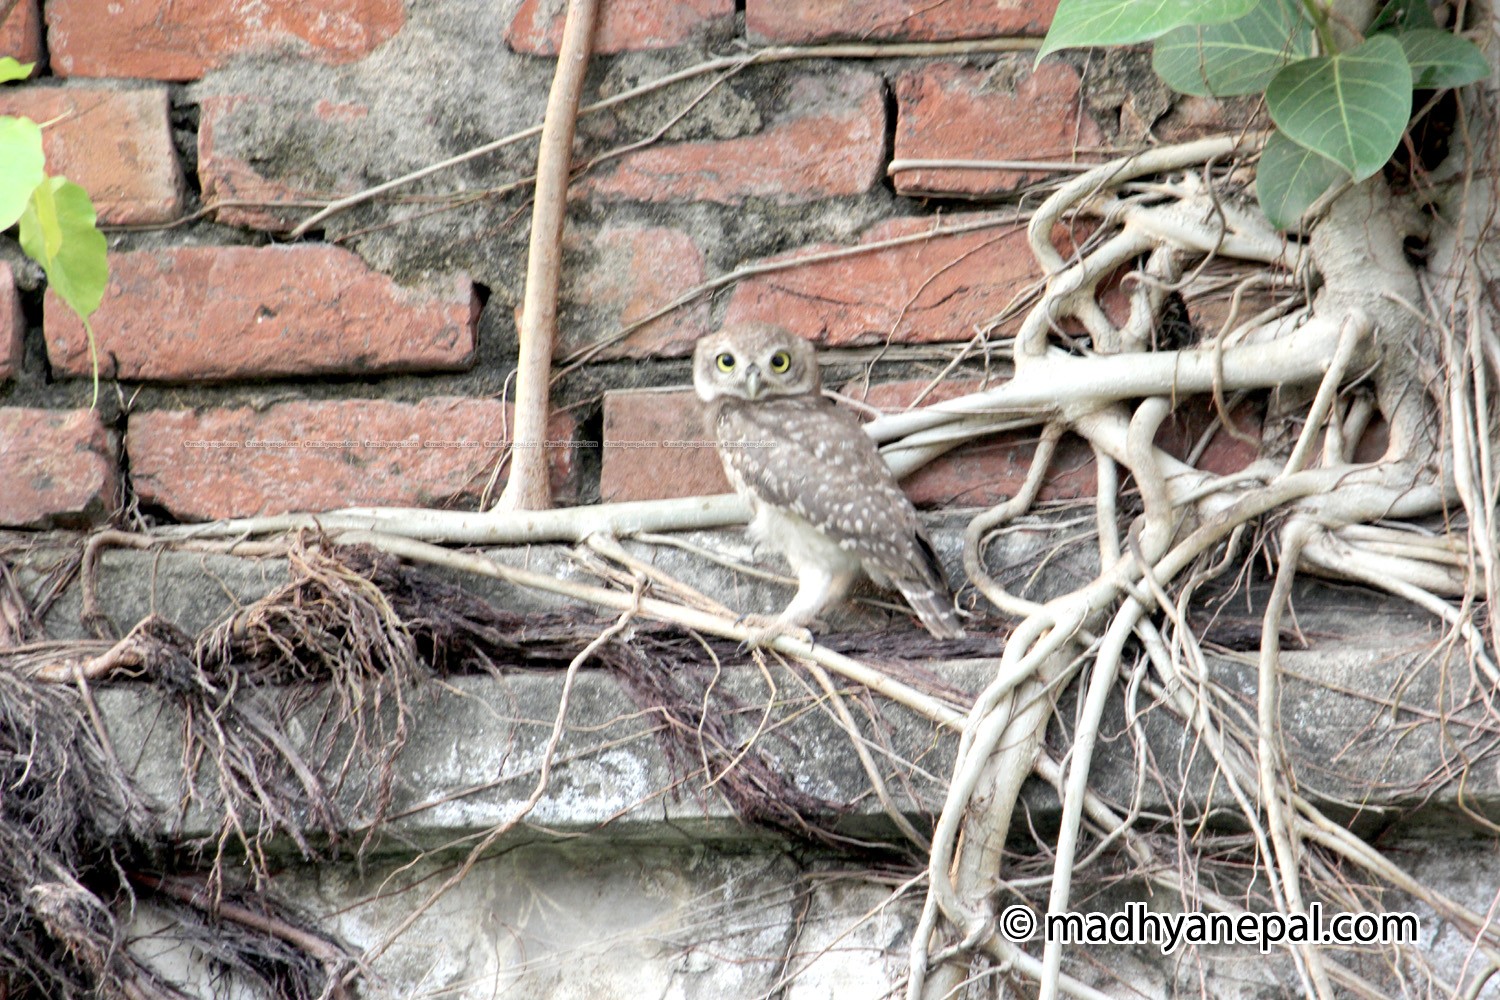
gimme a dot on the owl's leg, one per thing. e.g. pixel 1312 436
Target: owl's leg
pixel 817 588
pixel 761 531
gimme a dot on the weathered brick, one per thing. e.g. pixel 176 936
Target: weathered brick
pixel 214 313
pixel 1198 117
pixel 624 25
pixel 950 112
pixel 631 272
pixel 656 447
pixel 1210 313
pixel 983 472
pixel 117 144
pixel 58 467
pixel 1224 454
pixel 316 456
pixel 1376 440
pixel 235 187
pixel 21 34
pixel 931 290
pixel 183 39
pixel 12 325
pixel 827 140
pixel 821 20
pixel 994 468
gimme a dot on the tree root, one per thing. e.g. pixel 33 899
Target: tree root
pixel 1330 515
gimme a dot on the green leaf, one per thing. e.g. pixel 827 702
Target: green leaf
pixel 22 166
pixel 1440 59
pixel 10 69
pixel 1124 22
pixel 1290 178
pixel 58 232
pixel 1403 14
pixel 1351 107
pixel 1240 57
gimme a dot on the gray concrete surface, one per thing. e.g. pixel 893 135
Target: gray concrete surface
pixel 614 887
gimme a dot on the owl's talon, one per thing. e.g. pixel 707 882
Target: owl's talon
pixel 765 630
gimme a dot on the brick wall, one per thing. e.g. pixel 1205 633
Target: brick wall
pixel 369 362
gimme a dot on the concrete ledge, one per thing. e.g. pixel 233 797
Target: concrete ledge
pixel 1359 715
pixel 625 881
pixel 476 746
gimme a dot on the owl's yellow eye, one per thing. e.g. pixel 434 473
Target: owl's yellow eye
pixel 725 362
pixel 780 362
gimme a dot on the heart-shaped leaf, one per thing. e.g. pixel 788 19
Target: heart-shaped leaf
pixel 1440 59
pixel 1239 57
pixel 1350 107
pixel 1290 178
pixel 22 166
pixel 10 69
pixel 58 232
pixel 1124 22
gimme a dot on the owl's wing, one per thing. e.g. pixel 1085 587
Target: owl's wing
pixel 805 455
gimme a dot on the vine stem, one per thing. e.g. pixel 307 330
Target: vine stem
pixel 1319 14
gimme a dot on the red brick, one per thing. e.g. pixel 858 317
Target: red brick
pixel 226 178
pixel 656 447
pixel 341 111
pixel 821 20
pixel 316 456
pixel 624 25
pixel 1372 446
pixel 827 141
pixel 12 325
pixel 1225 454
pixel 183 39
pixel 21 34
pixel 58 467
pixel 951 112
pixel 931 290
pixel 993 469
pixel 213 313
pixel 985 472
pixel 1199 117
pixel 117 144
pixel 1210 312
pixel 633 271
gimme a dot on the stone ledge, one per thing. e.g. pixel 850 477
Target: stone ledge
pixel 1358 716
pixel 613 890
pixel 476 744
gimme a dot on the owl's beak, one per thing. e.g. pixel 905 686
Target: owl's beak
pixel 752 382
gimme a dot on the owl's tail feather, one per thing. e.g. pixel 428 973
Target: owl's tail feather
pixel 934 608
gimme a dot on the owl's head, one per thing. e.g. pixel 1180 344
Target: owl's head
pixel 753 362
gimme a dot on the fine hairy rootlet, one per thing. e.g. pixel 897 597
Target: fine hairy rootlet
pixel 818 489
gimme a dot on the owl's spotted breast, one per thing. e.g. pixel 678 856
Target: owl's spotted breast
pixel 808 456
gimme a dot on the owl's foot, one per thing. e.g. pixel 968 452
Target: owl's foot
pixel 765 629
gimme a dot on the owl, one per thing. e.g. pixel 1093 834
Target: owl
pixel 818 489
